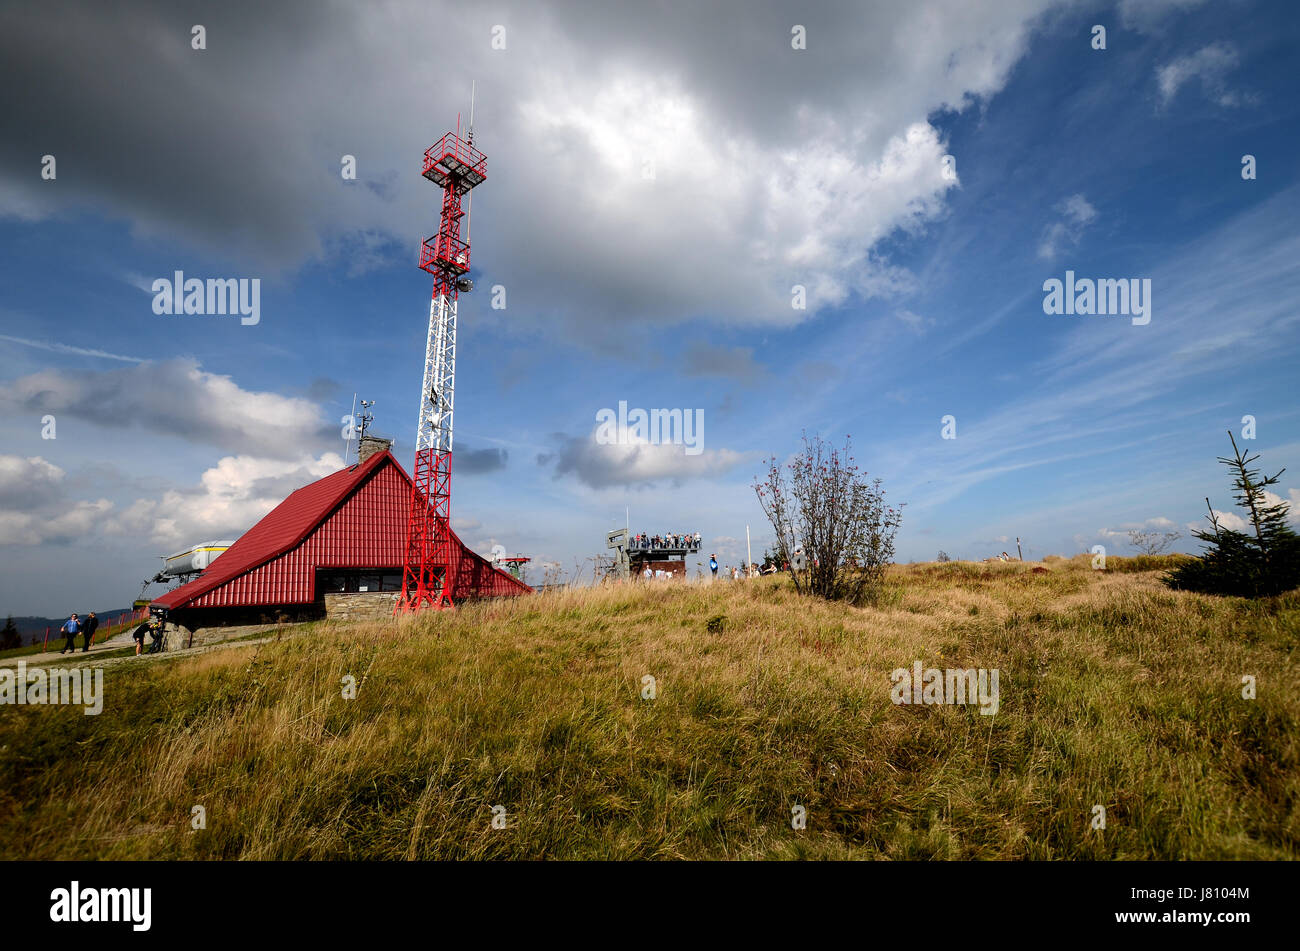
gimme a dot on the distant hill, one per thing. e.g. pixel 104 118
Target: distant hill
pixel 28 625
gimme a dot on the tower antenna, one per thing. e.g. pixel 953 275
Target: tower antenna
pixel 469 137
pixel 473 88
pixel 366 419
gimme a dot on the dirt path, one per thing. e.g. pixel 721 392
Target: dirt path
pixel 124 640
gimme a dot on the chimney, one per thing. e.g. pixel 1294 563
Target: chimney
pixel 369 445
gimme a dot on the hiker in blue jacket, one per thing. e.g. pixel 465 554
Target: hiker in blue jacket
pixel 713 565
pixel 71 628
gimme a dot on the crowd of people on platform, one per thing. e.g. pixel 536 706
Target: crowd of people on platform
pixel 680 540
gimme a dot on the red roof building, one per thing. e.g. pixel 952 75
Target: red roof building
pixel 345 532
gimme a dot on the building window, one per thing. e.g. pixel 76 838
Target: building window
pixel 358 580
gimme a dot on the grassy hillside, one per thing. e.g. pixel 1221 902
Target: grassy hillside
pixel 1114 691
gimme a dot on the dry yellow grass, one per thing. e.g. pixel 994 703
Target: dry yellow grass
pixel 1113 691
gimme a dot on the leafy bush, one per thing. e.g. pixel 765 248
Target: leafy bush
pixel 832 527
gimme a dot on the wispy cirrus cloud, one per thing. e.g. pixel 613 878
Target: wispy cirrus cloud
pixel 1076 214
pixel 1223 303
pixel 1209 66
pixel 1149 15
pixel 54 347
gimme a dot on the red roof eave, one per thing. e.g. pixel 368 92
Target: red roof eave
pixel 280 530
pixel 287 525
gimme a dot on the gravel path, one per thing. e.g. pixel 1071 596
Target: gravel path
pixel 124 639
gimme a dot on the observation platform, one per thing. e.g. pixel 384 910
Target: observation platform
pixel 442 253
pixel 452 159
pixel 657 546
pixel 633 554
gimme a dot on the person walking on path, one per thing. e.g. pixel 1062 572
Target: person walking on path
pixel 88 631
pixel 713 566
pixel 71 627
pixel 138 634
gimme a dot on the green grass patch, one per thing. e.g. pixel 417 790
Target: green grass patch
pixel 688 721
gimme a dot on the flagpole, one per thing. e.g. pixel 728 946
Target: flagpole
pixel 346 447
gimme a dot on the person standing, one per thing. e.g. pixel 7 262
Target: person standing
pixel 88 631
pixel 71 627
pixel 157 634
pixel 713 566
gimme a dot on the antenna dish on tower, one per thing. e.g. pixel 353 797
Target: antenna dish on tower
pixel 365 418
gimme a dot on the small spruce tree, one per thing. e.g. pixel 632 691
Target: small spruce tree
pixel 9 637
pixel 1259 562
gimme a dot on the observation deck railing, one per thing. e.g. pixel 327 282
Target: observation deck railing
pixel 666 544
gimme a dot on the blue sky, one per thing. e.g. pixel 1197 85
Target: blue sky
pixel 772 167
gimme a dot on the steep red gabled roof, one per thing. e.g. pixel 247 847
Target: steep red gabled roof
pixel 281 529
pixel 356 516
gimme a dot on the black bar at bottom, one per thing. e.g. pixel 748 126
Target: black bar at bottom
pixel 912 901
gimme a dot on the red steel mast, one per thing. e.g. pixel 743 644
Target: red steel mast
pixel 429 575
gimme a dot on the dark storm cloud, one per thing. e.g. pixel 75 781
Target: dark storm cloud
pixel 771 165
pixel 603 466
pixel 175 398
pixel 277 486
pixel 183 142
pixel 322 388
pixel 478 461
pixel 737 363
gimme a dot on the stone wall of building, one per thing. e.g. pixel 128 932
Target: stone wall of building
pixel 361 606
pixel 369 445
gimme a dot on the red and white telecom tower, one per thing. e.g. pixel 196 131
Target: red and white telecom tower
pixel 429 575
